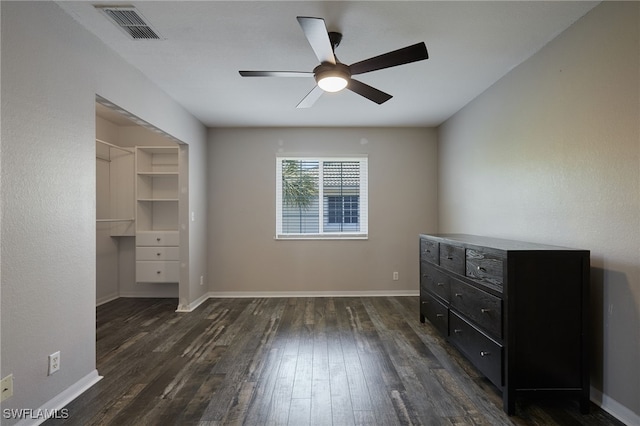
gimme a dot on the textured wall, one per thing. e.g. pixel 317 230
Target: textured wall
pixel 52 70
pixel 243 255
pixel 551 153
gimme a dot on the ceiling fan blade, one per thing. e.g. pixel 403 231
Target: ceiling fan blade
pixel 316 32
pixel 311 98
pixel 416 52
pixel 275 74
pixel 371 93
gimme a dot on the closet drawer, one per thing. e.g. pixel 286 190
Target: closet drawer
pixel 479 306
pixel 158 272
pixel 157 238
pixel 434 281
pixel 483 352
pixel 452 258
pixel 157 253
pixel 435 312
pixel 485 267
pixel 429 251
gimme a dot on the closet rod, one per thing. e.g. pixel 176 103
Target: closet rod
pixel 115 146
pixel 114 220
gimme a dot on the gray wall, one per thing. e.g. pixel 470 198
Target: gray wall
pixel 52 70
pixel 245 259
pixel 551 153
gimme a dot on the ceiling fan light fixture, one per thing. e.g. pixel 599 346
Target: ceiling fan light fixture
pixel 332 83
pixel 332 77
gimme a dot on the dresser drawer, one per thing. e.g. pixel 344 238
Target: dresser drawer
pixel 483 352
pixel 429 250
pixel 157 253
pixel 436 312
pixel 158 272
pixel 434 281
pixel 452 258
pixel 479 306
pixel 485 267
pixel 157 238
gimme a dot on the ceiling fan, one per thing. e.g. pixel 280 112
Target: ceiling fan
pixel 332 75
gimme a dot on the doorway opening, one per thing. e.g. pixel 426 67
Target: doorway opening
pixel 141 208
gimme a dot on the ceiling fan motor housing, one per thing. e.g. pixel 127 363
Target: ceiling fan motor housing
pixel 327 69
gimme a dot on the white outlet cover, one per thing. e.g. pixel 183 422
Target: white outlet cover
pixel 54 362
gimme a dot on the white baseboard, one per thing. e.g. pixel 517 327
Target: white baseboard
pixel 269 294
pixel 56 404
pixel 107 299
pixel 614 408
pixel 193 305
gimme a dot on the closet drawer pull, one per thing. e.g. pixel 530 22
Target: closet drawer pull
pixel 440 284
pixel 457 331
pixel 485 311
pixel 158 272
pixel 439 315
pixel 484 353
pixel 481 269
pixel 459 295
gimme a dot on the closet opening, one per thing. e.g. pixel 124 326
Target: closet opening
pixel 141 208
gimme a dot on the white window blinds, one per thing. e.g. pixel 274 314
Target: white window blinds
pixel 321 197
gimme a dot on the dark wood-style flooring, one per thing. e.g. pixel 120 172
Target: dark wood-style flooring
pixel 291 361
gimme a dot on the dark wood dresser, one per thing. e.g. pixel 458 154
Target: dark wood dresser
pixel 516 310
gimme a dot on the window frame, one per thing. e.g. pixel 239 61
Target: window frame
pixel 361 234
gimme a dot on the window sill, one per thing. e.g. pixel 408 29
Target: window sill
pixel 321 237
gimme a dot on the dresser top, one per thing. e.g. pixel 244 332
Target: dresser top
pixel 495 243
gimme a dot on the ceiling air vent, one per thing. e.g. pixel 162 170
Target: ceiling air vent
pixel 130 21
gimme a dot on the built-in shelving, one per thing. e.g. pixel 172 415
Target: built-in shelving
pixel 157 203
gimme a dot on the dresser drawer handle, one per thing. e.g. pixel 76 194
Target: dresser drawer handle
pixel 481 269
pixel 158 239
pixel 449 257
pixel 484 353
pixel 439 315
pixel 157 254
pixel 424 302
pixel 440 284
pixel 457 331
pixel 458 295
pixel 158 272
pixel 485 311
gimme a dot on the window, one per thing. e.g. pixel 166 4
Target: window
pixel 321 197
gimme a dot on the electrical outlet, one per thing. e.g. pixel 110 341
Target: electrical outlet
pixel 6 386
pixel 395 276
pixel 54 362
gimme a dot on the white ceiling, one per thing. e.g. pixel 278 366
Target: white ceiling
pixel 205 43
